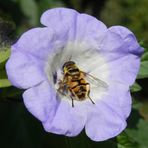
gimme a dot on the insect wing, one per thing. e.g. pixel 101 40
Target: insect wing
pixel 95 81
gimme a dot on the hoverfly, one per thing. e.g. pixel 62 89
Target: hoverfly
pixel 74 83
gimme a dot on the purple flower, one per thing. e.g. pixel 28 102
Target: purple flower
pixel 111 55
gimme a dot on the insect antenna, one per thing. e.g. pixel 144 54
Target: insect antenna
pixel 70 58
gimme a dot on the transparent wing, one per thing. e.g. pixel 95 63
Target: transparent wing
pixel 95 81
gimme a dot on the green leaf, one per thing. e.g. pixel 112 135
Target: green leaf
pixel 124 141
pixel 136 104
pixel 30 10
pixel 143 72
pixel 135 87
pixel 145 57
pixel 140 133
pixel 4 82
pixel 142 44
pixel 4 55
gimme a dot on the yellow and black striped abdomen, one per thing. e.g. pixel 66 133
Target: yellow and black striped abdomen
pixel 79 89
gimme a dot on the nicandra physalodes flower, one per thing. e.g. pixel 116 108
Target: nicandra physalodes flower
pixel 111 55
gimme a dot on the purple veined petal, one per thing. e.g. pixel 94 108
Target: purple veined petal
pixel 126 107
pixel 89 29
pixel 79 26
pixel 129 38
pixel 122 31
pixel 41 101
pixel 39 42
pixel 35 42
pixel 118 97
pixel 23 71
pixel 68 120
pixel 125 69
pixel 123 65
pixel 104 123
pixel 112 43
pixel 61 20
pixel 62 15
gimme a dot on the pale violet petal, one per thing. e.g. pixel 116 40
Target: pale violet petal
pixel 129 38
pixel 36 42
pixel 23 70
pixel 67 120
pixel 61 20
pixel 122 64
pixel 104 123
pixel 41 101
pixel 78 26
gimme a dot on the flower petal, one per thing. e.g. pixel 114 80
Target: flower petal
pixel 123 64
pixel 23 71
pixel 129 38
pixel 125 69
pixel 104 123
pixel 126 103
pixel 90 30
pixel 41 101
pixel 118 98
pixel 61 20
pixel 35 42
pixel 67 121
pixel 62 15
pixel 78 26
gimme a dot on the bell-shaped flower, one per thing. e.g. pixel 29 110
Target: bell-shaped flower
pixel 76 73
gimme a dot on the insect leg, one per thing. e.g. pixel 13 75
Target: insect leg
pixel 71 96
pixel 62 88
pixel 61 91
pixel 90 98
pixel 89 95
pixel 72 101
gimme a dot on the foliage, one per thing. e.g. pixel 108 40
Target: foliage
pixel 130 13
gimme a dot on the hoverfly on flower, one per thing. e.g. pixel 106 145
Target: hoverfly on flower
pixel 75 85
pixel 97 79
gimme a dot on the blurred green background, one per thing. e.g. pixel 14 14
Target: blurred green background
pixel 18 128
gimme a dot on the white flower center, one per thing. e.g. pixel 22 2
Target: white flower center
pixel 87 59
